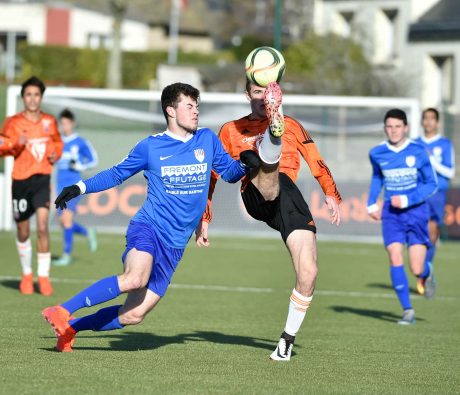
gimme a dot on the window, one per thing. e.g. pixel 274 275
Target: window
pixel 386 34
pixel 439 80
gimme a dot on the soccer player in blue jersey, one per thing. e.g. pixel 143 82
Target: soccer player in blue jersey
pixel 442 158
pixel 402 167
pixel 78 155
pixel 177 165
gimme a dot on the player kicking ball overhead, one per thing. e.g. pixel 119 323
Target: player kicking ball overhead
pixel 402 167
pixel 270 194
pixel 177 165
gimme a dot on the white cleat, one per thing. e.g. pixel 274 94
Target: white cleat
pixel 284 348
pixel 408 317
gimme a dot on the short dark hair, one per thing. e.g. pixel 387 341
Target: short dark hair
pixel 396 113
pixel 33 81
pixel 66 113
pixel 170 95
pixel 433 110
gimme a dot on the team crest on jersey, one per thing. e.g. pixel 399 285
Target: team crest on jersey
pixel 46 125
pixel 410 161
pixel 199 154
pixel 437 151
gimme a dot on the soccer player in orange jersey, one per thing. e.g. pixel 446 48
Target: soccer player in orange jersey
pixel 271 195
pixel 36 145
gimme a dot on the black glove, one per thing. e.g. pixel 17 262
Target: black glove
pixel 250 159
pixel 68 193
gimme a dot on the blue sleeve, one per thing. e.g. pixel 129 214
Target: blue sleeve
pixel 223 164
pixel 88 156
pixel 376 182
pixel 136 161
pixel 428 182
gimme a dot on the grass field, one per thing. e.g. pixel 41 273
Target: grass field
pixel 222 317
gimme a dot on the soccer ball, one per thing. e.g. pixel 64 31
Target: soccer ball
pixel 265 65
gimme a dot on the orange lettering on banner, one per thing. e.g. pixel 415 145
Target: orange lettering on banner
pixel 103 209
pixel 457 215
pixel 126 194
pixel 449 215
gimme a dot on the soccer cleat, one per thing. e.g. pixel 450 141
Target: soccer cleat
pixel 284 348
pixel 273 106
pixel 408 317
pixel 64 260
pixel 44 286
pixel 92 239
pixel 26 286
pixel 430 286
pixel 58 318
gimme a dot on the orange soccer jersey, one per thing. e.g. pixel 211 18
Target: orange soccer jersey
pixel 43 139
pixel 244 133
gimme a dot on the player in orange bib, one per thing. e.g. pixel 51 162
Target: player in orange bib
pixel 32 137
pixel 271 195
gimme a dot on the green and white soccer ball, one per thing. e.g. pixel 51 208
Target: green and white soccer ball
pixel 264 65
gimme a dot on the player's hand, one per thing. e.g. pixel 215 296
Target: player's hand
pixel 396 201
pixel 68 193
pixel 334 210
pixel 250 159
pixel 376 215
pixel 201 234
pixel 52 157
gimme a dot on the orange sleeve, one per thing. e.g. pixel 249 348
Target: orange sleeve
pixel 8 140
pixel 318 167
pixel 224 138
pixel 57 145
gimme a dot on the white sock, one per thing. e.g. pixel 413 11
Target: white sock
pixel 298 307
pixel 44 261
pixel 270 148
pixel 25 255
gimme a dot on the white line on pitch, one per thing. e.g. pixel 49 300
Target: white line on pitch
pixel 224 288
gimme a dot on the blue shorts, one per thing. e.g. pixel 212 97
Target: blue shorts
pixel 407 226
pixel 436 203
pixel 143 237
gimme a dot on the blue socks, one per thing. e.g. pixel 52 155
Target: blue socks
pixel 68 241
pixel 401 285
pixel 100 292
pixel 79 229
pixel 103 320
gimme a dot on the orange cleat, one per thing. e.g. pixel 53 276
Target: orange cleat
pixel 44 286
pixel 26 286
pixel 58 317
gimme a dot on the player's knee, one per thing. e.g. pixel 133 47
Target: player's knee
pixel 133 283
pixel 42 230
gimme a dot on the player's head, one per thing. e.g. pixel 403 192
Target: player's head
pixel 179 103
pixel 67 121
pixel 34 82
pixel 255 95
pixel 395 123
pixel 430 121
pixel 32 94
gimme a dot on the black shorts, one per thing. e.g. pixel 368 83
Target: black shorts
pixel 30 194
pixel 288 212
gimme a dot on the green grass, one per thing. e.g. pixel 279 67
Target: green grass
pixel 217 340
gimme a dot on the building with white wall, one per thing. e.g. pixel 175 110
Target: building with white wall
pixel 420 39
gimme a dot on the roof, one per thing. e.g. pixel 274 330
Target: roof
pixel 441 22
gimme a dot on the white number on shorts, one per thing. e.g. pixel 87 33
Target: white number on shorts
pixel 20 206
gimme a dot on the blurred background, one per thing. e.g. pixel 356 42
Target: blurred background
pixel 348 61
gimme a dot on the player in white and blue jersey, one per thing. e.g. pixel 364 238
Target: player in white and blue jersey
pixel 402 167
pixel 442 158
pixel 177 165
pixel 78 155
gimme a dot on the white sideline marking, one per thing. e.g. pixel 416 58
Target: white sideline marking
pixel 224 288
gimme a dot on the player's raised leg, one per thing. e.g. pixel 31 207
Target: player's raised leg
pixel 302 247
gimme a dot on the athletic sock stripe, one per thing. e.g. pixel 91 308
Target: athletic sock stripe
pixel 302 303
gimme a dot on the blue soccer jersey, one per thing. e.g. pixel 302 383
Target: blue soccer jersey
pixel 442 158
pixel 404 171
pixel 78 155
pixel 178 171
